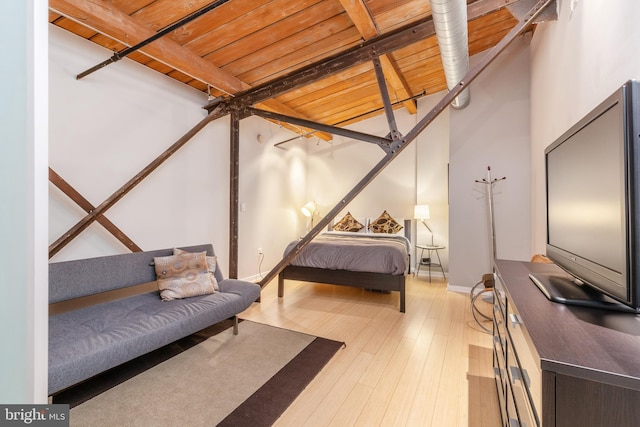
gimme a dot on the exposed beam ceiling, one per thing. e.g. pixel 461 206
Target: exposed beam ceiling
pixel 243 44
pixel 107 19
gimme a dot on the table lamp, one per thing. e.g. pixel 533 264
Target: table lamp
pixel 421 212
pixel 309 209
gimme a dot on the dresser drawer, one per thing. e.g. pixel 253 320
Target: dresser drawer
pixel 511 419
pixel 500 328
pixel 501 383
pixel 499 295
pixel 524 363
pixel 499 361
pixel 519 383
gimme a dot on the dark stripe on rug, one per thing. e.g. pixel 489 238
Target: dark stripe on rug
pixel 265 406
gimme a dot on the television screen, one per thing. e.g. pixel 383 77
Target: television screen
pixel 586 195
pixel 591 205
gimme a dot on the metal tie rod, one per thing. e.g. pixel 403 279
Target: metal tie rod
pixel 123 53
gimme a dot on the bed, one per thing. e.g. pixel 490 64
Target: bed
pixel 359 258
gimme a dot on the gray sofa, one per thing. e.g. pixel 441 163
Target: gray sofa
pixel 114 313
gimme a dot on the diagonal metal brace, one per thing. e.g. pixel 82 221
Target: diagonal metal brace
pixel 73 194
pixel 493 53
pixel 320 126
pixel 85 222
pixel 386 100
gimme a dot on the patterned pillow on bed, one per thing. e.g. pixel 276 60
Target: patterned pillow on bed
pixel 348 223
pixel 385 224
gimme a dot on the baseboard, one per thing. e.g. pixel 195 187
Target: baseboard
pixel 459 289
pixel 426 274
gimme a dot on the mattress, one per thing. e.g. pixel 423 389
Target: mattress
pixel 371 252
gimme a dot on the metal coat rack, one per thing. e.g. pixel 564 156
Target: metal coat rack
pixel 489 182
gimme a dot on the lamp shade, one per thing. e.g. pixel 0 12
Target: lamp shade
pixel 309 209
pixel 421 212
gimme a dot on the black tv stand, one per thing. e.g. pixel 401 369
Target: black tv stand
pixel 564 289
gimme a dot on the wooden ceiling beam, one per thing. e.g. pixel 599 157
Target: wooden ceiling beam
pixel 168 29
pixel 106 19
pixel 364 22
pixel 366 51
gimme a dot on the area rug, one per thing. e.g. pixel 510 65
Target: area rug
pixel 213 378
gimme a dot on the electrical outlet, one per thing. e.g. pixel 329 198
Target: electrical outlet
pixel 260 251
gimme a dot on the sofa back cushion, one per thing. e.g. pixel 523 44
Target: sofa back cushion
pixel 79 278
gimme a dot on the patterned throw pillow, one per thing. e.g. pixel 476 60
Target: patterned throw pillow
pixel 385 224
pixel 212 263
pixel 182 276
pixel 348 223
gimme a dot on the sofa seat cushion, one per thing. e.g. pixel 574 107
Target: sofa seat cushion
pixel 85 342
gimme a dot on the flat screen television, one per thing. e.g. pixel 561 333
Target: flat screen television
pixel 593 207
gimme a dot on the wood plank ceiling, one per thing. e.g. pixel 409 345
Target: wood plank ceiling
pixel 240 44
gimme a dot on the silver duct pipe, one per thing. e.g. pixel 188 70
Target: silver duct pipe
pixel 450 21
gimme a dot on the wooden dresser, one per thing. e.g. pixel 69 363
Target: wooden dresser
pixel 558 365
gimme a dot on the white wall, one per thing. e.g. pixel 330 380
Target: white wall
pixel 272 191
pixel 577 61
pixel 23 212
pixel 108 126
pixel 493 131
pixel 334 168
pixel 432 178
pixel 417 175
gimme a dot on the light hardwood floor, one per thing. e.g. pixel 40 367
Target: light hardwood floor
pixel 431 366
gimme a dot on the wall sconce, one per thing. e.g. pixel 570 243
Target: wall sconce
pixel 309 209
pixel 421 212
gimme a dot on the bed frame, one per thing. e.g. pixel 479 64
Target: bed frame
pixel 358 279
